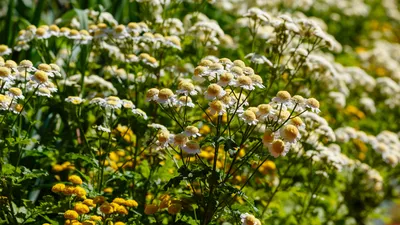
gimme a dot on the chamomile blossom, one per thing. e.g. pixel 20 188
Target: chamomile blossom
pixel 192 131
pixel 249 117
pixel 5 50
pixel 76 100
pixel 214 91
pixel 15 93
pixel 140 113
pixel 191 147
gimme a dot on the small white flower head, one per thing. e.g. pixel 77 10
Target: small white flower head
pixel 166 96
pixel 26 65
pixel 258 15
pixel 5 102
pixel 74 35
pixel 244 82
pixel 54 30
pixel 74 100
pixel 313 104
pixel 278 148
pixel 186 88
pixel 268 138
pixel 16 108
pixel 192 131
pixel 184 101
pixel 258 59
pixel 216 107
pixel 157 126
pixel 15 93
pixel 227 63
pixel 5 74
pixel 127 104
pixel 40 78
pixel 131 58
pixel 112 102
pixel 289 133
pixel 12 65
pixel 191 147
pixel 120 32
pixel 282 97
pixel 239 63
pixel 248 71
pixel 248 219
pixel 216 69
pixel 152 94
pixel 257 81
pixel 5 50
pixel 97 101
pixel 42 33
pixel 298 122
pixel 64 31
pixel 140 113
pixel 102 128
pixel 237 71
pixel 264 111
pixel 249 117
pixel 178 139
pixel 214 91
pixel 163 137
pixel 43 91
pixel 226 79
pixel 300 101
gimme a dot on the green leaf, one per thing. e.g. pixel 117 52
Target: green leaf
pixel 82 17
pixel 8 169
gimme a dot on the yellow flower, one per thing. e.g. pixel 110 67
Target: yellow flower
pixel 75 179
pixel 57 168
pixel 96 218
pixel 122 210
pixel 71 214
pixel 131 203
pixel 80 192
pixel 68 190
pixel 99 200
pixel 150 209
pixel 57 188
pixel 108 190
pixel 106 208
pixel 119 223
pixel 81 208
pixel 174 208
pixel 88 222
pixel 89 202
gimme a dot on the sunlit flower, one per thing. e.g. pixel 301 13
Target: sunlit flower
pixel 178 139
pixel 192 131
pixel 185 101
pixel 214 91
pixel 313 104
pixel 191 147
pixel 278 148
pixel 249 117
pixel 216 106
pixel 152 94
pixel 5 50
pixel 74 100
pixel 289 133
pixel 248 219
pixel 244 82
pixel 140 112
pixel 166 96
pixel 15 93
pixel 186 88
pixel 71 214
